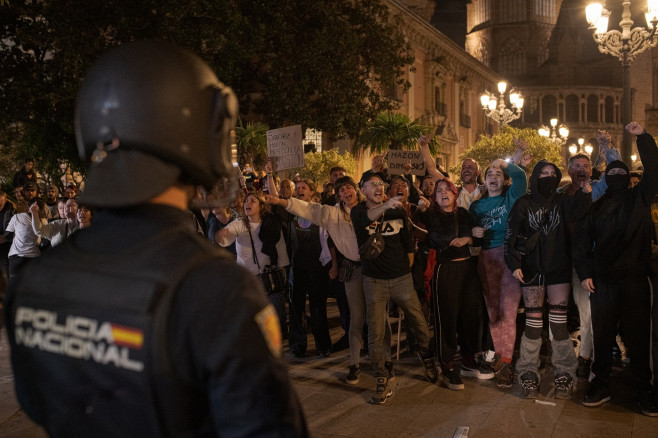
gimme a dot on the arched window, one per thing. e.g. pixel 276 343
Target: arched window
pixel 572 109
pixel 531 110
pixel 609 110
pixel 548 109
pixel 592 108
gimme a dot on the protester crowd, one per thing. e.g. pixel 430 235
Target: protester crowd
pixel 460 263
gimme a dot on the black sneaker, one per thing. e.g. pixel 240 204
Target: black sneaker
pixel 584 367
pixel 529 385
pixel 353 376
pixel 597 394
pixel 430 370
pixel 382 393
pixel 647 403
pixel 563 386
pixel 496 364
pixel 342 344
pixel 452 380
pixel 389 369
pixel 505 376
pixel 479 371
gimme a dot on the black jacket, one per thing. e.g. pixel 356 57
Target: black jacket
pixel 442 228
pixel 550 217
pixel 146 330
pixel 614 239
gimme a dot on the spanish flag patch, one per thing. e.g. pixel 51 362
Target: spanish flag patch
pixel 127 336
pixel 268 323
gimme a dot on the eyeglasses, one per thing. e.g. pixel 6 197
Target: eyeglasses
pixel 376 183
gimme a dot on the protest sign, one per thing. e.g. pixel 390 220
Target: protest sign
pixel 284 147
pixel 397 158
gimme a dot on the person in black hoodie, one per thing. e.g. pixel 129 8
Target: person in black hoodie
pixel 612 251
pixel 537 252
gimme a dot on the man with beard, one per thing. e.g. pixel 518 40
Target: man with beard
pixel 580 172
pixel 470 190
pixel 611 252
pixel 52 196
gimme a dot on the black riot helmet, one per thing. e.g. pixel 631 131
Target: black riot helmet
pixel 150 114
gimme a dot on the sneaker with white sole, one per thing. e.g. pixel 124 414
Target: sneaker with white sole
pixel 382 393
pixel 452 380
pixel 479 371
pixel 353 376
pixel 597 394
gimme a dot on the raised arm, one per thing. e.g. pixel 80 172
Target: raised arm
pixel 41 228
pixel 271 187
pixel 646 148
pixel 521 147
pixel 428 159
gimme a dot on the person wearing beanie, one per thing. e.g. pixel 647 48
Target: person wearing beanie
pixel 611 252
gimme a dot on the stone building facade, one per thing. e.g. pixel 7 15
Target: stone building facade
pixel 545 49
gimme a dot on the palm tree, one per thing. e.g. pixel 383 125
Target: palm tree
pixel 252 143
pixel 392 130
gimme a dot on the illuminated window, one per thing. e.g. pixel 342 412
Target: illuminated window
pixel 315 137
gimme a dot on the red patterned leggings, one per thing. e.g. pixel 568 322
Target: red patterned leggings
pixel 502 294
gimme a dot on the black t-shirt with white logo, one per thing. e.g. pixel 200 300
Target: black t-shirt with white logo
pixel 393 262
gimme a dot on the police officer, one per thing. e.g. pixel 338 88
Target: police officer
pixel 136 327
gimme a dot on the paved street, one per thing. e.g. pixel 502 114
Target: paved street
pixel 417 409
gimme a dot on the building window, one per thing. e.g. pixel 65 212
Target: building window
pixel 609 110
pixel 514 10
pixel 548 109
pixel 313 137
pixel 481 12
pixel 391 89
pixel 439 104
pixel 592 108
pixel 572 108
pixel 531 110
pixel 512 58
pixel 545 8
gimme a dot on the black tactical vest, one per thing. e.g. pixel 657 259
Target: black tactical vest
pixel 98 328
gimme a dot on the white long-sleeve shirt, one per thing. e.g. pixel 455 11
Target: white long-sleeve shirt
pixel 237 232
pixel 55 231
pixel 332 218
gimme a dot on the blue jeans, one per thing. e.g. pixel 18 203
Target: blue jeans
pixel 378 292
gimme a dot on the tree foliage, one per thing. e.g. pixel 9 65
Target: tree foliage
pixel 392 130
pixel 316 63
pixel 501 145
pixel 317 165
pixel 251 140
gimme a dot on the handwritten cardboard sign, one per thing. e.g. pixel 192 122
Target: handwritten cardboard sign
pixel 397 158
pixel 285 148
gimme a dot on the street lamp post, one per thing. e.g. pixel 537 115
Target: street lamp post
pixel 495 107
pixel 556 134
pixel 625 45
pixel 587 149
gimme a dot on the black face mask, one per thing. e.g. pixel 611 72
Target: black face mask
pixel 618 182
pixel 547 185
